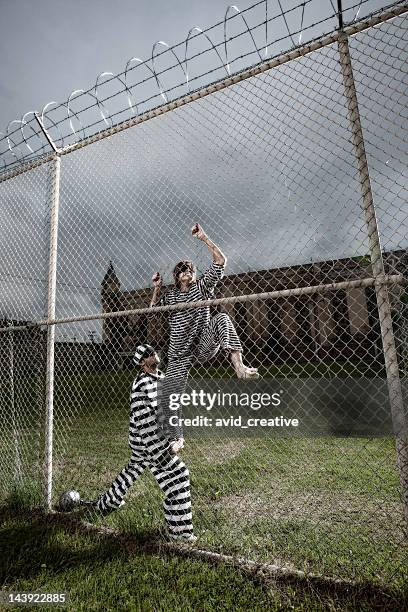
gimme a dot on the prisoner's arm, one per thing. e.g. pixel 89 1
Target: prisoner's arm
pixel 217 255
pixel 157 287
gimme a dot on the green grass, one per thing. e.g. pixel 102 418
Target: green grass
pixel 324 495
pixel 23 493
pixel 99 572
pixel 327 505
pixel 342 369
pixel 68 386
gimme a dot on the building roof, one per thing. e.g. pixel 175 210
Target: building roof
pixel 110 276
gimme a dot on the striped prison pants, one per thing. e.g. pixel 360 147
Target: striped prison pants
pixel 172 477
pixel 218 335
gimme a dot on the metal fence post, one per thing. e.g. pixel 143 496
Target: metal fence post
pixel 52 287
pixel 384 308
pixel 49 385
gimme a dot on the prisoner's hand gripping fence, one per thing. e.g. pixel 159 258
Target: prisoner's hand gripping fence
pixel 295 167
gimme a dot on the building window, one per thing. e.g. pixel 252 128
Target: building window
pixel 341 316
pixel 241 322
pixel 374 335
pixel 275 341
pixel 304 328
pixel 140 329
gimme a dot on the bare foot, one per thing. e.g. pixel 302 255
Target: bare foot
pixel 244 371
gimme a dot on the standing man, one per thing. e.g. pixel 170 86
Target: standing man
pixel 150 450
pixel 194 335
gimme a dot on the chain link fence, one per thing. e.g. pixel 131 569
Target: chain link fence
pixel 297 171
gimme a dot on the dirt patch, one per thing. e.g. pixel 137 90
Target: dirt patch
pixel 373 517
pixel 216 454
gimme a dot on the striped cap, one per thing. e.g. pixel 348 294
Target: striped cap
pixel 142 351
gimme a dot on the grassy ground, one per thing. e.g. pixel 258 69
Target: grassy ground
pixel 329 506
pixel 104 572
pixel 325 506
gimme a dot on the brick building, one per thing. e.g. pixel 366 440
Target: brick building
pixel 337 324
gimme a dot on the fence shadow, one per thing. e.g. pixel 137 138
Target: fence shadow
pixel 29 537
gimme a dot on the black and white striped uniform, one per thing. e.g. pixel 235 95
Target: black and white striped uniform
pixel 194 337
pixel 150 450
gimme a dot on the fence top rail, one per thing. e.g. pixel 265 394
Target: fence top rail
pixel 37 123
pixel 392 279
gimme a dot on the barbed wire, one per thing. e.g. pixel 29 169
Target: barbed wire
pixel 28 132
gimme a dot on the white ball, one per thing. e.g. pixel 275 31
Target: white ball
pixel 69 500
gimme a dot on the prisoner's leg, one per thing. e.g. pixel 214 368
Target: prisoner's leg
pixel 113 498
pixel 173 478
pixel 169 391
pixel 220 333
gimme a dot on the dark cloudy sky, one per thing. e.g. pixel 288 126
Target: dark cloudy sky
pixel 266 166
pixel 49 48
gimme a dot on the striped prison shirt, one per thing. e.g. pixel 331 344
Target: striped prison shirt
pixel 144 435
pixel 186 325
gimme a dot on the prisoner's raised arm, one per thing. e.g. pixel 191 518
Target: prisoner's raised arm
pixel 217 255
pixel 157 286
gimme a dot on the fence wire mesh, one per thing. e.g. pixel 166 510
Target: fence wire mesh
pixel 240 39
pixel 24 232
pixel 23 359
pixel 268 168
